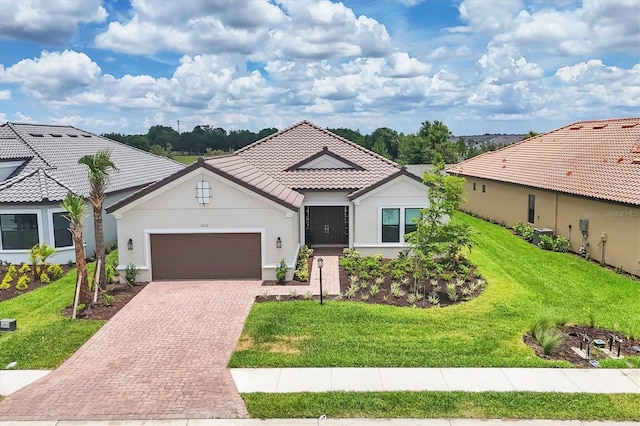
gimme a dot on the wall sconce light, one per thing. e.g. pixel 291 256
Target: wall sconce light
pixel 130 244
pixel 278 242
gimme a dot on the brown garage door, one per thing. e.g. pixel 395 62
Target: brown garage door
pixel 205 256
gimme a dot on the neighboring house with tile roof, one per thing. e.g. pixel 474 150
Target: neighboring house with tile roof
pixel 39 166
pixel 239 215
pixel 586 174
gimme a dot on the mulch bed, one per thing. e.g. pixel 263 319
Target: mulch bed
pixel 384 297
pixel 573 336
pixel 11 292
pixel 122 294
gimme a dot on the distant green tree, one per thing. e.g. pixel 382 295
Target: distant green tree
pixel 166 151
pixel 352 135
pixel 388 137
pixel 430 145
pixel 379 147
pixel 530 135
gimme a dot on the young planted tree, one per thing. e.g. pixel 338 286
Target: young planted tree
pixel 436 234
pixel 76 209
pixel 100 167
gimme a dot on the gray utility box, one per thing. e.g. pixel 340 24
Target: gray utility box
pixel 540 231
pixel 7 324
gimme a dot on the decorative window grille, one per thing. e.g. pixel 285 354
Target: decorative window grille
pixel 203 192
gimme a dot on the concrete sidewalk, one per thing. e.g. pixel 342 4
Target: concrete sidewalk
pixel 324 422
pixel 566 380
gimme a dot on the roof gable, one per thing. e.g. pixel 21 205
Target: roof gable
pixel 233 169
pixel 588 158
pixel 324 160
pixel 293 156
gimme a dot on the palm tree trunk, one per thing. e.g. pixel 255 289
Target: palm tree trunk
pixel 99 235
pixel 81 268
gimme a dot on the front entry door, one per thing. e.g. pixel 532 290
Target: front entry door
pixel 327 225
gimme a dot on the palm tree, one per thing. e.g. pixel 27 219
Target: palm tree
pixel 100 166
pixel 76 212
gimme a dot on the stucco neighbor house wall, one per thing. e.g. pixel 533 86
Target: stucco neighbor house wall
pixel 585 170
pixel 233 209
pixel 402 192
pixel 618 224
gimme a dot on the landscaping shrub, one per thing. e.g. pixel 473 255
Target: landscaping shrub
pixel 109 274
pixel 131 273
pixel 302 268
pixel 22 283
pixel 561 244
pixel 54 271
pixel 6 282
pixel 12 271
pixel 545 242
pixel 44 278
pixel 281 272
pixel 24 269
pixel 547 336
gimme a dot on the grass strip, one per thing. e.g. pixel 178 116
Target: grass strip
pixel 525 283
pixel 44 338
pixel 476 405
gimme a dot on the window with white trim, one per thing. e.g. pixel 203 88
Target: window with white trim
pixel 61 235
pixel 19 231
pixel 396 222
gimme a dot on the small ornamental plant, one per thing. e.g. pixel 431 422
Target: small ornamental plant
pixel 24 269
pixel 44 278
pixel 281 272
pixel 6 282
pixel 12 271
pixel 23 283
pixel 54 271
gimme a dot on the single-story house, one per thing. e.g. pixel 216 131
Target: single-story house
pixel 238 215
pixel 581 181
pixel 39 166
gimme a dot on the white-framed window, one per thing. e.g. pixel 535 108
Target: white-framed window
pixel 20 229
pixel 59 235
pixel 397 221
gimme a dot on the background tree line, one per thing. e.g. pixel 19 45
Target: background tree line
pixel 431 144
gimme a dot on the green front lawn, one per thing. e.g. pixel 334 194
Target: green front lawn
pixel 44 339
pixel 484 405
pixel 186 159
pixel 524 284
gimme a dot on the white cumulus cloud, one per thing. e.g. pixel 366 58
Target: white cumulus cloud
pixel 45 21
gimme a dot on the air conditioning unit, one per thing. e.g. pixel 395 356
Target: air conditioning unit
pixel 540 231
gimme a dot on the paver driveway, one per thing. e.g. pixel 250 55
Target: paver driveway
pixel 162 356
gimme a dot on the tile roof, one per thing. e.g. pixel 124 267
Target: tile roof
pixel 57 149
pixel 34 186
pixel 588 158
pixel 234 169
pixel 276 154
pixel 240 171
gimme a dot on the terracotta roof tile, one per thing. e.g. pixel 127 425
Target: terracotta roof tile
pixel 588 158
pixel 235 167
pixel 276 154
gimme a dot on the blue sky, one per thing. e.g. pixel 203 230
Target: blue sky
pixel 480 66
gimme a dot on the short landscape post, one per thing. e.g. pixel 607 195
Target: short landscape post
pixel 320 265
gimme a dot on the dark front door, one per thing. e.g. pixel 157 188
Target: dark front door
pixel 327 225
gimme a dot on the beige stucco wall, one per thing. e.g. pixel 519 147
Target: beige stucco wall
pixel 174 208
pixel 401 192
pixel 508 203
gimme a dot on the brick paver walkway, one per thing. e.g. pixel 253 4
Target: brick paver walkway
pixel 163 356
pixel 330 280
